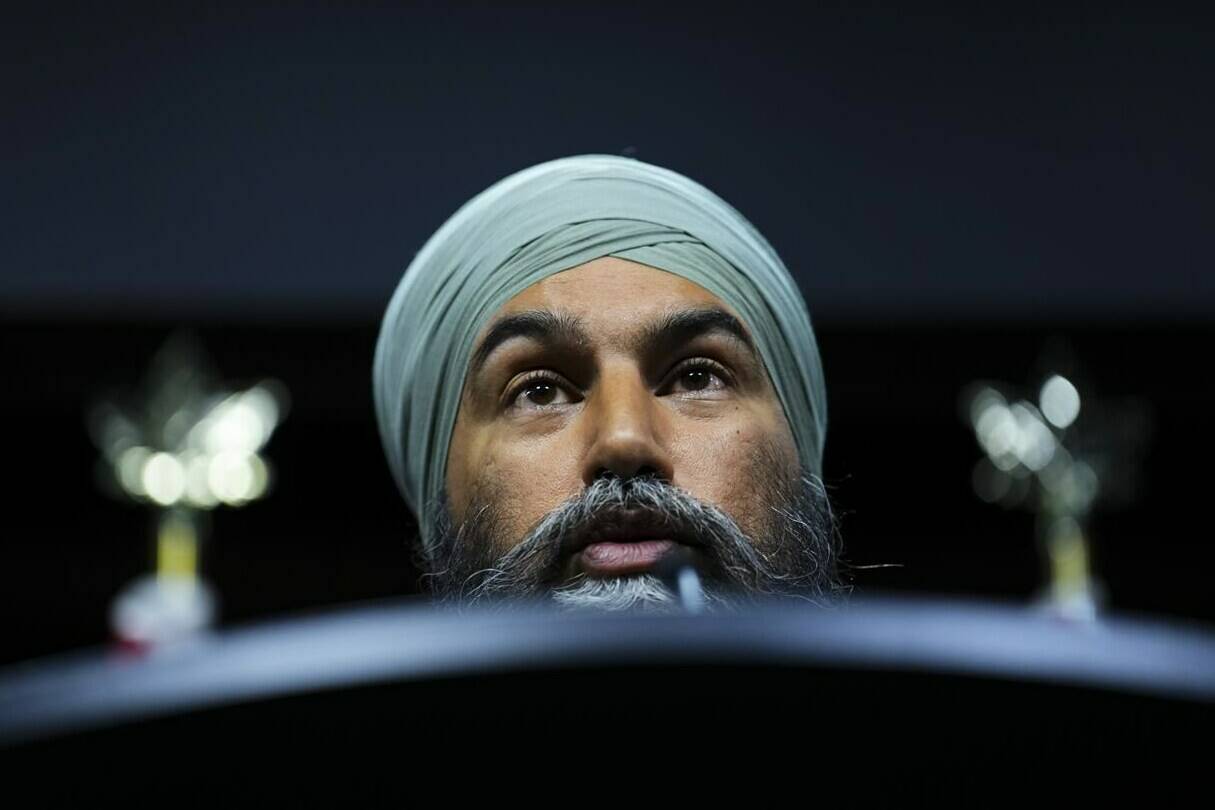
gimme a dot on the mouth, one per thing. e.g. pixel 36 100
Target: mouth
pixel 623 543
pixel 609 559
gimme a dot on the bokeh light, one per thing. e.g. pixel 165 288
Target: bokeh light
pixel 1060 401
pixel 164 478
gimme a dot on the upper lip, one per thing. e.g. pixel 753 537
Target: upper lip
pixel 627 526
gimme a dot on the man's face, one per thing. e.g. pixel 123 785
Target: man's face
pixel 600 375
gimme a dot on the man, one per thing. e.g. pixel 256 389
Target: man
pixel 597 367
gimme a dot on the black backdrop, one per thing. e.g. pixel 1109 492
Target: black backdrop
pixel 288 159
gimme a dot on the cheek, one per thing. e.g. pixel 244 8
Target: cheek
pixel 462 460
pixel 723 466
pixel 526 481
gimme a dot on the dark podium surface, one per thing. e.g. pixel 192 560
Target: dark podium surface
pixel 945 695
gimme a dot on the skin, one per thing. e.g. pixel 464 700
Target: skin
pixel 614 405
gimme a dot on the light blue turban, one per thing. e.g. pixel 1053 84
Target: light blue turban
pixel 550 218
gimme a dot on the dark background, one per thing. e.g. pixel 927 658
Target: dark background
pixel 960 195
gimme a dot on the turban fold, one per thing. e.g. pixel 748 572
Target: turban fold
pixel 552 217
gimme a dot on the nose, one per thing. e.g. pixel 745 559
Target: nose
pixel 628 429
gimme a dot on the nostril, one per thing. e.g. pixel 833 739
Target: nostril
pixel 604 474
pixel 646 475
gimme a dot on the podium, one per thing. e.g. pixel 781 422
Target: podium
pixel 937 691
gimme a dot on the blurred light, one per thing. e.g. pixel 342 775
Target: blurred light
pixel 1060 401
pixel 1007 462
pixel 235 477
pixel 1071 586
pixel 1054 476
pixel 1033 443
pixel 990 484
pixel 261 477
pixel 1014 435
pixel 176 427
pixel 1072 483
pixel 996 429
pixel 176 547
pixel 162 609
pixel 1064 529
pixel 113 431
pixel 163 478
pixel 129 468
pixel 1084 487
pixel 983 400
pixel 264 404
pixel 198 491
pixel 234 425
pixel 1019 489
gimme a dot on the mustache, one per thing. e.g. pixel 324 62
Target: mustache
pixel 608 505
pixel 797 560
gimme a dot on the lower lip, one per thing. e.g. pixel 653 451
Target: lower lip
pixel 612 559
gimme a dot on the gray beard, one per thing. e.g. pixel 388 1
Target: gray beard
pixel 643 592
pixel 798 556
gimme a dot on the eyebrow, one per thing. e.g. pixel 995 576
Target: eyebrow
pixel 682 326
pixel 539 324
pixel 672 329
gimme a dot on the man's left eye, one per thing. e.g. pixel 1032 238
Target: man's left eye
pixel 699 376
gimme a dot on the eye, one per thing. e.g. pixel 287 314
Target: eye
pixel 537 390
pixel 700 376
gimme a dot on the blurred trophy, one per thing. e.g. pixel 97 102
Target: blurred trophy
pixel 183 444
pixel 1041 452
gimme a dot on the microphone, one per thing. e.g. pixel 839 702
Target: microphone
pixel 677 570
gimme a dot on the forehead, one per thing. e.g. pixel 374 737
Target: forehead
pixel 611 295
